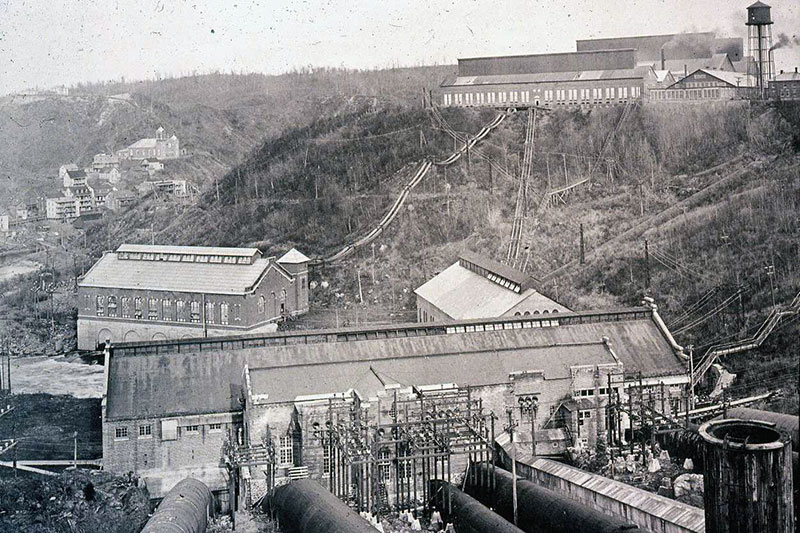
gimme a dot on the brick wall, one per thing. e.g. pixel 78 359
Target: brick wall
pixel 151 456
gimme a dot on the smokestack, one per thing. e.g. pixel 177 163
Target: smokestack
pixel 685 70
pixel 662 59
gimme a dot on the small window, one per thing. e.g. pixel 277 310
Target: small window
pixel 180 311
pixel 145 431
pixel 195 315
pixel 223 313
pixel 193 429
pixel 166 307
pixel 137 308
pixel 215 428
pixel 261 304
pixel 210 312
pixel 237 312
pixel 100 305
pixel 120 433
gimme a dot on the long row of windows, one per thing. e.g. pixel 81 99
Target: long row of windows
pixel 145 431
pixel 163 309
pixel 589 95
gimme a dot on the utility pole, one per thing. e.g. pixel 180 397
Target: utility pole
pixel 647 263
pixel 360 293
pixel 770 273
pixel 641 417
pixel 510 428
pixel 583 249
pixel 75 450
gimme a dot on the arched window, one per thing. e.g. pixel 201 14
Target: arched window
pixel 126 306
pixel 210 312
pixel 274 304
pixel 261 304
pixel 555 310
pixel 545 312
pixel 536 312
pixel 527 313
pixel 223 313
pixel 137 307
pixel 517 313
pixel 100 305
pixel 180 311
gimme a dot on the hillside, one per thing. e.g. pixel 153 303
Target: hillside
pixel 714 190
pixel 219 118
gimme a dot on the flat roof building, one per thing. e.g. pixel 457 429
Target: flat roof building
pixel 170 406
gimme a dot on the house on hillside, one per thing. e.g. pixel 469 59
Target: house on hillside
pixel 151 293
pixel 170 406
pixel 58 207
pixel 102 161
pixel 71 176
pixel 158 147
pixel 120 199
pixel 478 287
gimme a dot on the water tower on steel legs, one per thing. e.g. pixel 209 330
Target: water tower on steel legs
pixel 759 42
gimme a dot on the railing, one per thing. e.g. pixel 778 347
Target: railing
pixel 244 342
pixel 764 331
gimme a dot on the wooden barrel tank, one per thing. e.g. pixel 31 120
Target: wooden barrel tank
pixel 747 477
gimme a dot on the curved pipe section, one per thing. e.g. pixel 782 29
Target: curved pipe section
pixel 541 510
pixel 468 514
pixel 305 506
pixel 184 509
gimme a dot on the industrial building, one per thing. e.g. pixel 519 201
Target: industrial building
pixel 172 408
pixel 143 292
pixel 686 67
pixel 478 287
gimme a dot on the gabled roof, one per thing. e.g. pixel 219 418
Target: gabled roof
pixel 205 376
pixel 734 79
pixel 478 287
pixel 144 143
pixel 78 173
pixel 177 276
pixel 293 257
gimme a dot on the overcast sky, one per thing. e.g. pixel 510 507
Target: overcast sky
pixel 45 43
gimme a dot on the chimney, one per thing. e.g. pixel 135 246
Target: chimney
pixel 795 70
pixel 685 70
pixel 662 60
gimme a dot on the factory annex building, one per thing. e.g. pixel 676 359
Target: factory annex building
pixel 171 409
pixel 479 287
pixel 155 293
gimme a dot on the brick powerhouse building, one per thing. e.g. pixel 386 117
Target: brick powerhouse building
pixel 143 293
pixel 169 407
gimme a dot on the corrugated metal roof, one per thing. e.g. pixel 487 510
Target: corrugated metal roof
pixel 178 276
pixel 188 250
pixel 210 381
pixel 463 294
pixel 543 77
pixel 475 367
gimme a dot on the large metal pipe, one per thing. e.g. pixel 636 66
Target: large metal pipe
pixel 185 509
pixel 305 506
pixel 542 510
pixel 468 514
pixel 789 424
